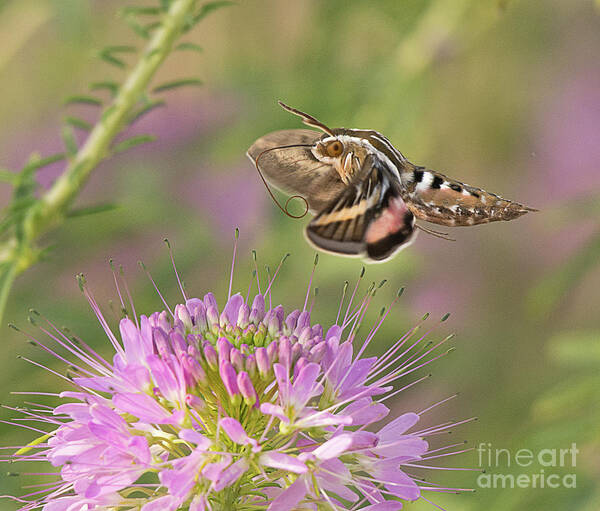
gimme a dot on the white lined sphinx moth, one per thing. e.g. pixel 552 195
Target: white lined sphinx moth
pixel 364 193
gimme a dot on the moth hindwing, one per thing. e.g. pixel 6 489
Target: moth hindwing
pixel 364 193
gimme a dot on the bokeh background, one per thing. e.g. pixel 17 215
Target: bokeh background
pixel 500 94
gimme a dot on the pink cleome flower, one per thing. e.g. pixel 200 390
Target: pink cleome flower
pixel 242 407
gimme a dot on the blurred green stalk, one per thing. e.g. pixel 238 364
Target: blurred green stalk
pixel 19 252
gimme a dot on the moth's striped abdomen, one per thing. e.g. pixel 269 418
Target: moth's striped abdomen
pixel 434 197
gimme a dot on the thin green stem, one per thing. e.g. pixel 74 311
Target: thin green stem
pixel 18 253
pixel 53 206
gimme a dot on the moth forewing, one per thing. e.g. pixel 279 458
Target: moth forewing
pixel 286 160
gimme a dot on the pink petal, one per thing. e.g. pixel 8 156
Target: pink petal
pixel 390 505
pixel 304 384
pixel 166 503
pixel 236 432
pixel 321 419
pixel 212 471
pixel 334 448
pixel 403 486
pixel 283 382
pixel 365 411
pixel 132 341
pixel 407 446
pixel 232 308
pixel 282 461
pixel 164 378
pixel 291 497
pixel 231 474
pixel 398 426
pixel 143 407
pixel 190 435
pixel 335 332
pixel 277 411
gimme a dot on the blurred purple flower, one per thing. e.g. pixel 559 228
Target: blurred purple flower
pixel 232 198
pixel 234 407
pixel 185 117
pixel 568 148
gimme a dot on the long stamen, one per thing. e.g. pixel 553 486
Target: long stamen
pixel 35 342
pixel 129 297
pixel 437 404
pixel 92 301
pixel 268 290
pixel 254 257
pixel 312 303
pixel 312 274
pixel 112 268
pixel 344 289
pixel 235 244
pixel 268 272
pixel 371 334
pixel 181 288
pixel 143 266
pixel 362 274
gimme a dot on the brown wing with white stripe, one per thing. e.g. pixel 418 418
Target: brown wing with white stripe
pixel 368 218
pixel 434 197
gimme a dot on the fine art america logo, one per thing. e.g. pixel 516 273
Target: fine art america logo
pixel 527 468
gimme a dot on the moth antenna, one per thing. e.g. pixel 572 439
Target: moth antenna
pixel 282 208
pixel 307 119
pixel 437 234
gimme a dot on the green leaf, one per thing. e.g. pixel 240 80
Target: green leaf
pixel 137 27
pixel 91 210
pixel 76 122
pixel 146 109
pixel 38 163
pixel 204 11
pixel 209 7
pixel 121 48
pixel 107 112
pixel 112 87
pixel 133 142
pixel 178 83
pixel 108 54
pixel 189 46
pixel 152 26
pixel 69 140
pixel 14 213
pixel 21 204
pixel 83 99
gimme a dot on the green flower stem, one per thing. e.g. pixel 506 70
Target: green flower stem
pixel 53 206
pixel 19 252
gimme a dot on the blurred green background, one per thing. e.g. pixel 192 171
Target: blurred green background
pixel 500 94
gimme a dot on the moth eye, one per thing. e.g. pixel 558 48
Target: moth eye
pixel 335 148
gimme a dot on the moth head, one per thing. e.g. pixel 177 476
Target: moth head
pixel 344 155
pixel 328 149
